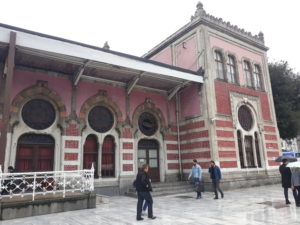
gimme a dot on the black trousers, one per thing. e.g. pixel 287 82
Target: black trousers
pixel 148 198
pixel 216 187
pixel 296 193
pixel 286 194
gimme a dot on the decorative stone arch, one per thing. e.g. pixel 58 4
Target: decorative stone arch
pixel 39 90
pixel 149 106
pixel 100 99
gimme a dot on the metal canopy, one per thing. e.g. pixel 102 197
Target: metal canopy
pixel 79 61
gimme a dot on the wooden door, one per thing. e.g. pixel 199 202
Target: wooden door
pixel 148 154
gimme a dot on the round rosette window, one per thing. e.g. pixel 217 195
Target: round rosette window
pixel 38 114
pixel 148 124
pixel 245 118
pixel 101 119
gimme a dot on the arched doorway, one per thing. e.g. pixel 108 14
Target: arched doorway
pixel 35 152
pixel 148 154
pixel 108 157
pixel 90 153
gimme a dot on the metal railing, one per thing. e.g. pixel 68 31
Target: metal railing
pixel 42 183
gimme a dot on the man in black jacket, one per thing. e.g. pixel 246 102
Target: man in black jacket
pixel 285 179
pixel 143 188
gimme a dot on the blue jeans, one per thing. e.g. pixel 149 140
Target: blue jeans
pixel 144 195
pixel 196 180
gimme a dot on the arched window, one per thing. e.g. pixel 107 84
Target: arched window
pixel 257 150
pixel 248 143
pixel 257 77
pixel 231 69
pixel 35 152
pixel 249 151
pixel 108 157
pixel 240 144
pixel 248 74
pixel 90 153
pixel 219 65
pixel 38 114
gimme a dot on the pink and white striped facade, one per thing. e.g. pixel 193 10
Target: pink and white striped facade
pixel 197 116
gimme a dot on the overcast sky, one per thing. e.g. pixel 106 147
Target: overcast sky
pixel 135 26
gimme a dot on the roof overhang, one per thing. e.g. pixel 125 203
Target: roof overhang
pixel 81 61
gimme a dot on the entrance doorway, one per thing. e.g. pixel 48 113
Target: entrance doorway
pixel 90 153
pixel 35 152
pixel 148 154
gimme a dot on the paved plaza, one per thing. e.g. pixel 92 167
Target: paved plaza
pixel 259 205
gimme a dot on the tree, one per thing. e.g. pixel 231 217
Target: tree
pixel 286 92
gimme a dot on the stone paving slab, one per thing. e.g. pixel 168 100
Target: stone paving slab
pixel 252 206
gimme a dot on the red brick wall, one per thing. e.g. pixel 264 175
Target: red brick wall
pixel 127 156
pixel 270 137
pixel 127 145
pixel 228 164
pixel 71 156
pixel 71 144
pixel 172 156
pixel 72 130
pixel 204 165
pixel 223 102
pixel 170 137
pixel 191 126
pixel 127 167
pixel 226 144
pixel 127 133
pixel 194 135
pixel 269 129
pixel 272 154
pixel 225 134
pixel 221 123
pixel 196 155
pixel 227 154
pixel 173 166
pixel 273 163
pixel 198 144
pixel 272 145
pixel 70 167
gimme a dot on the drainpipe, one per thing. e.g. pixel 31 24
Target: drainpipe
pixel 178 138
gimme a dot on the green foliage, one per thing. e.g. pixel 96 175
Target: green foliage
pixel 286 92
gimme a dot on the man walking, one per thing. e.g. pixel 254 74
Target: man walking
pixel 295 181
pixel 216 176
pixel 143 188
pixel 285 179
pixel 196 173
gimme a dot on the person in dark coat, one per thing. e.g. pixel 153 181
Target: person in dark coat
pixel 295 182
pixel 8 182
pixel 286 176
pixel 143 188
pixel 216 176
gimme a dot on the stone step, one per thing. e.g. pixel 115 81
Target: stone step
pixel 166 189
pixel 164 192
pixel 167 184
